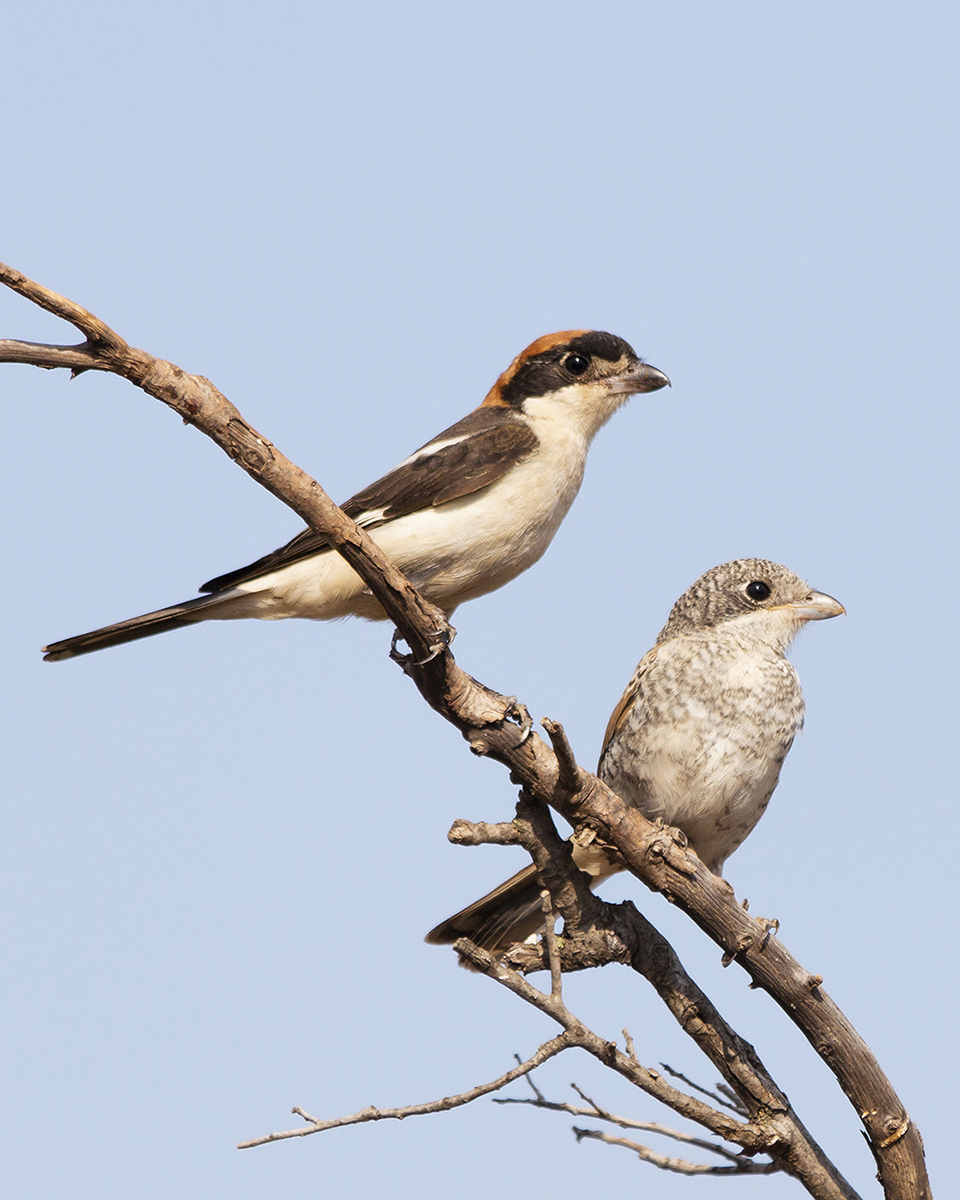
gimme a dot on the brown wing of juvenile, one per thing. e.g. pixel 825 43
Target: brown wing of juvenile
pixel 632 696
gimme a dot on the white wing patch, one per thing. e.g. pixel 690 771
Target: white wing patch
pixel 432 448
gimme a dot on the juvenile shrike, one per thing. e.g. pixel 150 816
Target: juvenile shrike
pixel 697 739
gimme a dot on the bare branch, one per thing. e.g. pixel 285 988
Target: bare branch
pixel 742 1166
pixel 547 1051
pixel 620 933
pixel 200 404
pixel 648 1080
pixel 570 894
pixel 655 857
pixel 576 1110
pixel 624 935
pixel 96 331
pixel 773 1128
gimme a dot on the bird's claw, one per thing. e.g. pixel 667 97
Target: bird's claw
pixel 515 711
pixel 440 640
pixel 770 927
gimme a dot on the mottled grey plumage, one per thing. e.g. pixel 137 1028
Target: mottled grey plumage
pixel 699 736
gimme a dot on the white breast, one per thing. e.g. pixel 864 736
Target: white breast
pixel 453 552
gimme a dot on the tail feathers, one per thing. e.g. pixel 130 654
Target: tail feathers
pixel 508 914
pixel 160 621
pixel 513 911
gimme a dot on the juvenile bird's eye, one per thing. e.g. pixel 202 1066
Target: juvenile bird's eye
pixel 576 364
pixel 758 590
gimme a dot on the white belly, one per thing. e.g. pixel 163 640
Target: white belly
pixel 453 552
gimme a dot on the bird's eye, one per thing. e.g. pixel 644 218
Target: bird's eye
pixel 758 590
pixel 576 364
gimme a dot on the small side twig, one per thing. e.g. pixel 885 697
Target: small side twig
pixel 553 949
pixel 570 776
pixel 724 1095
pixel 481 833
pixel 533 1087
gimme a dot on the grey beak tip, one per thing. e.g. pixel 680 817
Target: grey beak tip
pixel 656 378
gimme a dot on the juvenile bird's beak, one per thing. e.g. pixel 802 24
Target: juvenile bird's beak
pixel 817 607
pixel 642 378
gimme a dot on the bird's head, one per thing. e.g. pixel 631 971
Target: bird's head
pixel 754 597
pixel 580 376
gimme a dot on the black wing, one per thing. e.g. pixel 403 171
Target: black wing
pixel 492 441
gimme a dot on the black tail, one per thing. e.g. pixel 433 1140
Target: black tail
pixel 129 631
pixel 513 911
pixel 508 914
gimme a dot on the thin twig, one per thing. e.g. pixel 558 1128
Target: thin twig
pixel 533 1087
pixel 679 1166
pixel 605 1115
pixel 728 1099
pixel 575 1110
pixel 547 1051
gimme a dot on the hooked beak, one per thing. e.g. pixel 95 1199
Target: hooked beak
pixel 816 607
pixel 641 378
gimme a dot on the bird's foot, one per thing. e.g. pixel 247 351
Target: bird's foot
pixel 769 929
pixel 517 712
pixel 440 640
pixel 749 942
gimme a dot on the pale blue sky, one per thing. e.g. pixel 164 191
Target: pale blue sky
pixel 223 846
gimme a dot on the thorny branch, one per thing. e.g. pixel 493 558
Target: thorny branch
pixel 495 725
